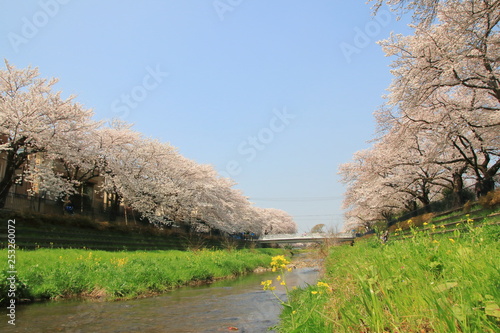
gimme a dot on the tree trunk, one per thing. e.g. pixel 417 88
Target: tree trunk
pixel 458 194
pixel 14 160
pixel 484 186
pixel 5 185
pixel 9 177
pixel 114 209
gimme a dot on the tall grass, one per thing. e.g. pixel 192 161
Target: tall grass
pixel 428 283
pixel 56 273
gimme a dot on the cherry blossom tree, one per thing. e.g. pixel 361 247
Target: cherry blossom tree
pixel 280 222
pixel 460 51
pixel 440 123
pixel 34 119
pixel 68 149
pixel 368 195
pixel 136 171
pixel 424 11
pixel 447 81
pixel 163 186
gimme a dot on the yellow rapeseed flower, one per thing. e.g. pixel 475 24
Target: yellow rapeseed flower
pixel 267 285
pixel 279 261
pixel 323 284
pixel 278 278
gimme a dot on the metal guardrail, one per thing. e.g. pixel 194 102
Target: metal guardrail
pixel 306 237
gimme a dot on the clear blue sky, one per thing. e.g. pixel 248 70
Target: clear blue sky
pixel 275 94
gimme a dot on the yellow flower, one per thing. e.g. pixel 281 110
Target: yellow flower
pixel 294 312
pixel 425 223
pixel 283 283
pixel 451 240
pixel 267 285
pixel 323 284
pixel 314 292
pixel 443 226
pixel 435 241
pixel 278 278
pixel 279 261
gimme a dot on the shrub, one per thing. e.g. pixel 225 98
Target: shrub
pixel 491 199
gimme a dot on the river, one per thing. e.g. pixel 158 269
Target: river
pixel 219 307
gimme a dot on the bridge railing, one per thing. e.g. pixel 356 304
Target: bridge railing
pixel 306 236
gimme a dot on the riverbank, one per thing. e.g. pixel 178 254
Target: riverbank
pixel 72 273
pixel 423 283
pixel 222 306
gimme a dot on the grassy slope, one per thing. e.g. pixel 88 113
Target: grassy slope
pixel 54 273
pixel 427 283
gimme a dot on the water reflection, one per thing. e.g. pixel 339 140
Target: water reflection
pixel 239 303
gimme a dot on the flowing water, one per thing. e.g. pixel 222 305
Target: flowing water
pixel 219 307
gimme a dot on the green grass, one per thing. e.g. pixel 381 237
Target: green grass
pixel 445 223
pixel 56 273
pixel 427 283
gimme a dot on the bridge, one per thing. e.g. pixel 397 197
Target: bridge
pixel 305 238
